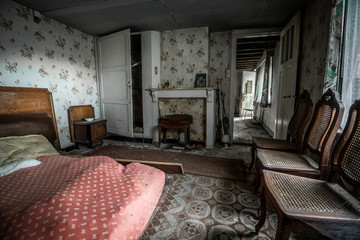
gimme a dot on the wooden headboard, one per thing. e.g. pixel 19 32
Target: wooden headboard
pixel 26 111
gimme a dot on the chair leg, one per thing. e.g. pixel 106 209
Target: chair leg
pixel 164 135
pixel 159 129
pixel 262 214
pixel 252 157
pixel 286 230
pixel 185 135
pixel 257 176
pixel 279 226
pixel 284 227
pixel 188 129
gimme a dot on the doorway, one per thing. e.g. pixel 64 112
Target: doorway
pixel 248 66
pixel 136 73
pixel 245 127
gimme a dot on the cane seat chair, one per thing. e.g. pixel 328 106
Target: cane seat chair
pixel 314 160
pixel 295 132
pixel 329 207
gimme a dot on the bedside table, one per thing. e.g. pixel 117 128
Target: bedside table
pixel 92 132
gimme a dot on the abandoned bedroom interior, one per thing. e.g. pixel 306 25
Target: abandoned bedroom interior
pixel 164 119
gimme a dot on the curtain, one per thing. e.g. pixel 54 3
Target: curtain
pixel 260 71
pixel 351 79
pixel 265 98
pixel 333 53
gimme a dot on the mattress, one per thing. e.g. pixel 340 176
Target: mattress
pixel 78 198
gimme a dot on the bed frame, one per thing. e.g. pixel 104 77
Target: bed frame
pixel 26 111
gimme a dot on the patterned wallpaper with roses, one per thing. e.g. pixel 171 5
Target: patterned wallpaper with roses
pixel 184 53
pixel 47 55
pixel 220 58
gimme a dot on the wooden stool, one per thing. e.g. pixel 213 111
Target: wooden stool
pixel 175 121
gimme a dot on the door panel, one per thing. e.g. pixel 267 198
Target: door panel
pixel 289 50
pixel 115 87
pixel 114 64
pixel 111 46
pixel 116 123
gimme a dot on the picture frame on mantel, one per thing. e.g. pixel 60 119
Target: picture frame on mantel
pixel 200 80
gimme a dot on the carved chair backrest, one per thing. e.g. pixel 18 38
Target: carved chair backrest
pixel 346 157
pixel 322 129
pixel 300 119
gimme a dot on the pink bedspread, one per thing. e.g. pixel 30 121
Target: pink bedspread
pixel 78 198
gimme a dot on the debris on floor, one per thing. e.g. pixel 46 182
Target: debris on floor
pixel 138 130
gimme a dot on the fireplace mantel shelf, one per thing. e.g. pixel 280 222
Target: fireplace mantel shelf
pixel 157 93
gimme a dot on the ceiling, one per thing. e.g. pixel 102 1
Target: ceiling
pixel 101 17
pixel 250 50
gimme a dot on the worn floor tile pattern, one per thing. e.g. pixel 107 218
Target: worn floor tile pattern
pixel 199 207
pixel 209 208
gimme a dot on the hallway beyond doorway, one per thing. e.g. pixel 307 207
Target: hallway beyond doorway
pixel 247 128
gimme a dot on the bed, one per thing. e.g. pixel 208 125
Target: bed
pixel 62 197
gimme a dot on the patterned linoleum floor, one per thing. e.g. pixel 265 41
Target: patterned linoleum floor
pixel 198 208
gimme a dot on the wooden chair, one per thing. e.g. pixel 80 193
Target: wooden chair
pixel 314 160
pixel 295 132
pixel 304 204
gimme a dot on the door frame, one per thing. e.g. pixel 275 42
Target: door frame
pixel 236 34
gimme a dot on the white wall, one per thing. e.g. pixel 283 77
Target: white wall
pixel 268 115
pixel 150 48
pixel 249 98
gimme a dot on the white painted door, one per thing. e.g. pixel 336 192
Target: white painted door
pixel 114 66
pixel 289 51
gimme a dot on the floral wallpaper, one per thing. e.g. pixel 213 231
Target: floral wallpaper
pixel 184 53
pixel 220 59
pixel 48 55
pixel 314 44
pixel 181 106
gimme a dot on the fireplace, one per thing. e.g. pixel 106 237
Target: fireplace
pixel 202 93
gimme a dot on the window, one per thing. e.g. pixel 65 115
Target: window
pixel 260 72
pixel 350 90
pixel 264 80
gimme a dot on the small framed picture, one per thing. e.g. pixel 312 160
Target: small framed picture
pixel 200 80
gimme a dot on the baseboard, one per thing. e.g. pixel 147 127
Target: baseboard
pixel 68 148
pixel 266 128
pixel 145 140
pixel 128 139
